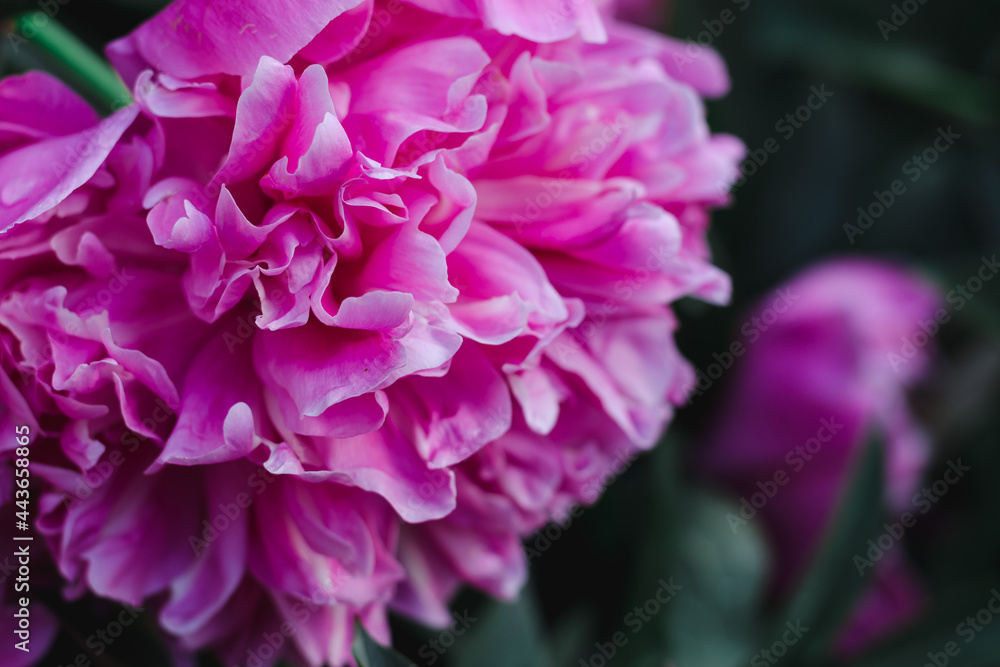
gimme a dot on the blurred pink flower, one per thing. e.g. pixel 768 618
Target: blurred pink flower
pixel 354 297
pixel 817 379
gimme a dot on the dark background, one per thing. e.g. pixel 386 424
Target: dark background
pixel 939 70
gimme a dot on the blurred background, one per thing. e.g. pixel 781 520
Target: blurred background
pixel 891 79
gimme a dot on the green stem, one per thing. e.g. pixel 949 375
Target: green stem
pixel 82 68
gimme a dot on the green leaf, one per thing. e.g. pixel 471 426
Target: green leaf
pixel 712 620
pixel 932 633
pixel 832 586
pixel 370 653
pixel 893 69
pixel 572 633
pixel 505 635
pixel 73 61
pixel 982 311
pixel 664 493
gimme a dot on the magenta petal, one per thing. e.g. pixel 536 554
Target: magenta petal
pixel 895 598
pixel 139 552
pixel 205 587
pixel 350 417
pixel 319 169
pixel 492 561
pixel 36 105
pixel 215 422
pixel 58 166
pixel 239 238
pixel 374 311
pixel 317 148
pixel 351 364
pixel 425 86
pixel 14 410
pixel 545 21
pixel 341 35
pixel 687 61
pixel 387 464
pixel 451 417
pixel 539 394
pixel 410 261
pixel 197 37
pixel 331 526
pixel 148 371
pixel 265 112
pixel 80 447
pixel 429 583
pixel 429 346
pixel 321 543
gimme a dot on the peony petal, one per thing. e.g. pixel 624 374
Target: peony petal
pixel 196 37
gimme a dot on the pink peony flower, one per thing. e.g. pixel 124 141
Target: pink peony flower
pixel 351 299
pixel 823 371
